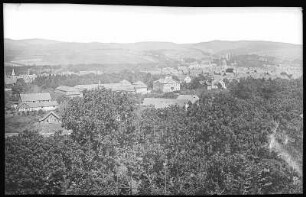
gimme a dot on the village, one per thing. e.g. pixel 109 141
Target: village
pixel 173 81
pixel 160 99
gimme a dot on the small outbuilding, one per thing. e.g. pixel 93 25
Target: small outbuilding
pixel 50 118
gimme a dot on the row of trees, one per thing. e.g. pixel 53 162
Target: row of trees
pixel 218 146
pixel 73 80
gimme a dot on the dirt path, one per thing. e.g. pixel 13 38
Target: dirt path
pixel 283 153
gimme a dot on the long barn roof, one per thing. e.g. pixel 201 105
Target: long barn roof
pixel 35 105
pixel 162 103
pixel 35 97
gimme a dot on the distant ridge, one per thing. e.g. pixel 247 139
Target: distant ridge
pixel 140 42
pixel 50 52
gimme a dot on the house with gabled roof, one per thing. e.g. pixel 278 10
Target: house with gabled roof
pixel 140 87
pixel 35 97
pixel 50 118
pixel 36 102
pixel 166 84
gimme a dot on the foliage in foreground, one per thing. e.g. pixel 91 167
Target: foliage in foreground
pixel 219 146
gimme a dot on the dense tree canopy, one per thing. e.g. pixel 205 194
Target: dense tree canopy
pixel 219 146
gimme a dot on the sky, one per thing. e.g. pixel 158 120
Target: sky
pixel 129 24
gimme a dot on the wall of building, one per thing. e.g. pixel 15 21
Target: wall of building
pixel 49 108
pixel 171 87
pixel 142 90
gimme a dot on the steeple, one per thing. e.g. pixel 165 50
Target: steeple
pixel 13 72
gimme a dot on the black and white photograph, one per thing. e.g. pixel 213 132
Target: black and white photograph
pixel 152 100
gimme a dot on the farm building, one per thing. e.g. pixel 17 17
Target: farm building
pixel 35 97
pixel 121 86
pixel 69 91
pixel 86 87
pixel 50 118
pixel 36 102
pixel 140 87
pixel 163 103
pixel 192 98
pixel 45 106
pixel 166 85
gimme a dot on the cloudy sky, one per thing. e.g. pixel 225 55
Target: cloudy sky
pixel 128 24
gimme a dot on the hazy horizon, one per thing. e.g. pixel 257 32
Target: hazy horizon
pixel 134 24
pixel 150 41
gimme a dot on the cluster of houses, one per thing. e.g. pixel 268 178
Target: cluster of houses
pixel 124 85
pixel 12 79
pixel 164 85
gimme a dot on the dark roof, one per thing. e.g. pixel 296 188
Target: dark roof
pixel 230 70
pixel 49 114
pixel 166 80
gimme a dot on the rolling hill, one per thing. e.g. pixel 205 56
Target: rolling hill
pixel 49 52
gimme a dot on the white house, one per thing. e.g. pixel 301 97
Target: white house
pixel 166 84
pixel 187 79
pixel 140 87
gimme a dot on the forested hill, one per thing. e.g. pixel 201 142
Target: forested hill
pixel 48 52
